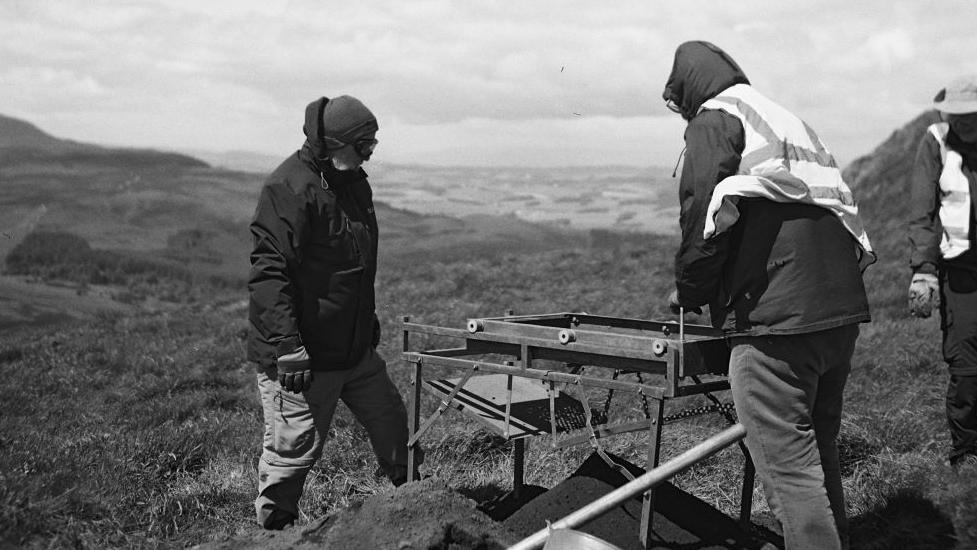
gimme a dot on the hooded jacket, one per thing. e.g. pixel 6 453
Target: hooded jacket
pixel 782 268
pixel 925 229
pixel 313 265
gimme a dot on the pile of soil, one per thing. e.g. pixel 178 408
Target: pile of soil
pixel 429 515
pixel 416 516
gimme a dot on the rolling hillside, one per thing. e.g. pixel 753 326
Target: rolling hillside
pixel 23 143
pixel 881 183
pixel 183 214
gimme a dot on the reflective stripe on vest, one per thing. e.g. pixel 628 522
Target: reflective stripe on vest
pixel 783 160
pixel 954 197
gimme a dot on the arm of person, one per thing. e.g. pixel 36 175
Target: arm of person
pixel 714 143
pixel 924 225
pixel 925 229
pixel 279 229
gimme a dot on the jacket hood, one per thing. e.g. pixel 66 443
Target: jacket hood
pixel 700 71
pixel 343 118
pixel 313 128
pixel 313 151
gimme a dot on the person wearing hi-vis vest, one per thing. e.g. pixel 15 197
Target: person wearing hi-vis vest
pixel 942 254
pixel 772 242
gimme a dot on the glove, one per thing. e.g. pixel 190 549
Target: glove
pixel 295 371
pixel 674 306
pixel 924 294
pixel 376 332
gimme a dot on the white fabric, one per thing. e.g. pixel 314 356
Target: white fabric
pixel 954 197
pixel 783 161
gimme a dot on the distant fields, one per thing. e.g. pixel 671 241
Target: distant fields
pixel 624 199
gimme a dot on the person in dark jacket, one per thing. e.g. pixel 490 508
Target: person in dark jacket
pixel 772 243
pixel 943 251
pixel 313 326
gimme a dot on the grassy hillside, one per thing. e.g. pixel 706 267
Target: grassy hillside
pixel 174 214
pixel 21 143
pixel 143 430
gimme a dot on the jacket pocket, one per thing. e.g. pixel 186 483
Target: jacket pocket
pixel 331 317
pixel 293 432
pixel 340 296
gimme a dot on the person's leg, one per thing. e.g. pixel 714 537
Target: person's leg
pixel 961 413
pixel 296 426
pixel 374 400
pixel 838 346
pixel 774 383
pixel 958 309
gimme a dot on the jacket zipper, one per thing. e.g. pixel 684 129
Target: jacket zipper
pixel 356 242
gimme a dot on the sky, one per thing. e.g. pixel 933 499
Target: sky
pixel 474 82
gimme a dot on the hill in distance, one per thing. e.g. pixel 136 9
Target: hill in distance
pixel 181 212
pixel 880 181
pixel 22 142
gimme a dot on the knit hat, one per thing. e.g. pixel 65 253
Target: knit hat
pixel 346 119
pixel 959 97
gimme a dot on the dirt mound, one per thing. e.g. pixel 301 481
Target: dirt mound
pixel 429 515
pixel 417 516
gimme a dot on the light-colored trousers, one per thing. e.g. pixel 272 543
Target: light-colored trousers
pixel 297 424
pixel 788 394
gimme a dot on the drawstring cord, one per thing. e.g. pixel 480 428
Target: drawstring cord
pixel 678 160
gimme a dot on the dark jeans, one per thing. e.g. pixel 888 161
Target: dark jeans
pixel 788 394
pixel 958 314
pixel 961 415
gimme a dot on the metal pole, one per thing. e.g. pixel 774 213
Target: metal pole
pixel 631 489
pixel 681 324
pixel 654 452
pixel 413 405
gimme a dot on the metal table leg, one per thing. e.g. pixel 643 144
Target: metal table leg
pixel 654 446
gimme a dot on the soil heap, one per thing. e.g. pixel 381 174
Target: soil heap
pixel 430 515
pixel 416 516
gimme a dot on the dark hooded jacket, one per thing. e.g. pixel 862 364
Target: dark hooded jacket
pixel 313 265
pixel 925 230
pixel 781 268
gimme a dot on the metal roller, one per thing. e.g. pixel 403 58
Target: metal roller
pixel 659 347
pixel 475 325
pixel 566 336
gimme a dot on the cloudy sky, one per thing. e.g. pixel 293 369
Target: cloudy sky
pixel 476 82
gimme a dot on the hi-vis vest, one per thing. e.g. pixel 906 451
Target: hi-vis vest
pixel 783 161
pixel 954 197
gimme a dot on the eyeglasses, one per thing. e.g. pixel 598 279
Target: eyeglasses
pixel 673 107
pixel 363 147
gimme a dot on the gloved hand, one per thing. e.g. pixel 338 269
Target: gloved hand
pixel 376 332
pixel 295 371
pixel 674 306
pixel 924 295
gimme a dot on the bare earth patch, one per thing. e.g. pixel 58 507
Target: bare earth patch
pixel 422 515
pixel 429 515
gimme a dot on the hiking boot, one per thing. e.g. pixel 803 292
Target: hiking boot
pixel 967 460
pixel 279 520
pixel 397 474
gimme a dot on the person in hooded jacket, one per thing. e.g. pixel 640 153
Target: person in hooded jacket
pixel 772 243
pixel 942 251
pixel 313 325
